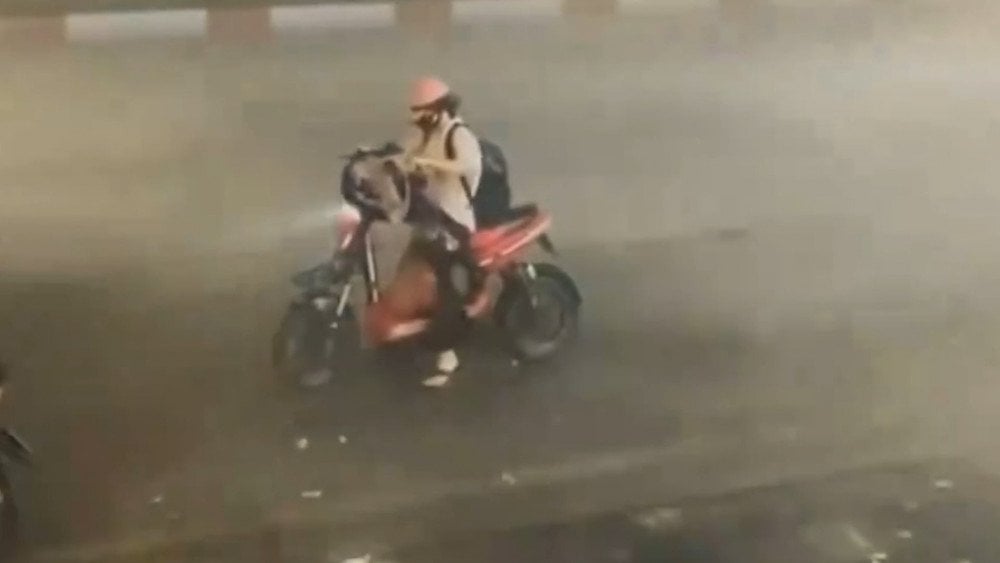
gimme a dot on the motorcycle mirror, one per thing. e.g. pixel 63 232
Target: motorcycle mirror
pixel 391 148
pixel 358 151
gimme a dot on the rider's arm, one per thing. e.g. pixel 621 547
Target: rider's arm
pixel 468 157
pixel 411 142
pixel 449 166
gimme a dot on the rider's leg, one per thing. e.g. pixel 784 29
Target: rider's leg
pixel 409 295
pixel 412 293
pixel 449 324
pixel 422 286
pixel 463 255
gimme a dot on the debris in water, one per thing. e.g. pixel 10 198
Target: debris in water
pixel 342 439
pixel 158 499
pixel 659 518
pixel 312 494
pixel 877 557
pixel 366 558
pixel 944 484
pixel 515 363
pixel 508 478
pixel 302 444
pixel 904 534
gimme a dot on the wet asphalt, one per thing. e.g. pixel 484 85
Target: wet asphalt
pixel 781 219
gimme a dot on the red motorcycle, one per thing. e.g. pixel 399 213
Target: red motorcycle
pixel 536 306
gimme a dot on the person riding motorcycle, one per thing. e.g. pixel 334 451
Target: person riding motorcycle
pixel 446 155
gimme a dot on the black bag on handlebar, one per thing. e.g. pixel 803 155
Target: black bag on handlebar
pixel 355 193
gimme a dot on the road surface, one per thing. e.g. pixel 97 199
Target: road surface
pixel 781 217
pixel 899 513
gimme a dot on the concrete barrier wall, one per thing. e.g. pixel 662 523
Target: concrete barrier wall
pixel 143 103
pixel 262 23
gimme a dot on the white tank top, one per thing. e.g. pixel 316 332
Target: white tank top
pixel 446 189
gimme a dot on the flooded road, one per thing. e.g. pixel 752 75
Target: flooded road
pixel 781 218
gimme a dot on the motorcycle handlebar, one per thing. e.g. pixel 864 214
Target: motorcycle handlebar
pixel 388 149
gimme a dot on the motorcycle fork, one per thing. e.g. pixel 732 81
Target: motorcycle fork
pixel 342 301
pixel 527 274
pixel 370 272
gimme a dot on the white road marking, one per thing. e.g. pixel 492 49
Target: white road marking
pixel 857 538
pixel 864 544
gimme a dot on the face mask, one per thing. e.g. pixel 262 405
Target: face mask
pixel 426 120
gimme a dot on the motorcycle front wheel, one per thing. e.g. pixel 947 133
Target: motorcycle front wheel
pixel 305 345
pixel 9 537
pixel 539 315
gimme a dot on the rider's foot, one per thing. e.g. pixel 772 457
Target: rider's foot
pixel 439 380
pixel 447 363
pixel 477 304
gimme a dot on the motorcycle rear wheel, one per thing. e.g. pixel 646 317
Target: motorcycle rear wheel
pixel 538 316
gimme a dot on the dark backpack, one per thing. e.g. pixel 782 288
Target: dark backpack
pixel 492 200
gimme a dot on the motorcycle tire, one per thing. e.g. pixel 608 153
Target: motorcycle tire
pixel 9 520
pixel 539 316
pixel 304 346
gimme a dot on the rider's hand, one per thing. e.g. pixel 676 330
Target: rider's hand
pixel 409 163
pixel 414 166
pixel 422 163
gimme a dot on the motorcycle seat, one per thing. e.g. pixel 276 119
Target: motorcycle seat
pixel 525 225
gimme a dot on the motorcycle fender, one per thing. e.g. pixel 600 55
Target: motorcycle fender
pixel 14 448
pixel 319 302
pixel 514 284
pixel 551 271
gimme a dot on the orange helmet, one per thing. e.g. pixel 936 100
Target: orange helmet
pixel 426 91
